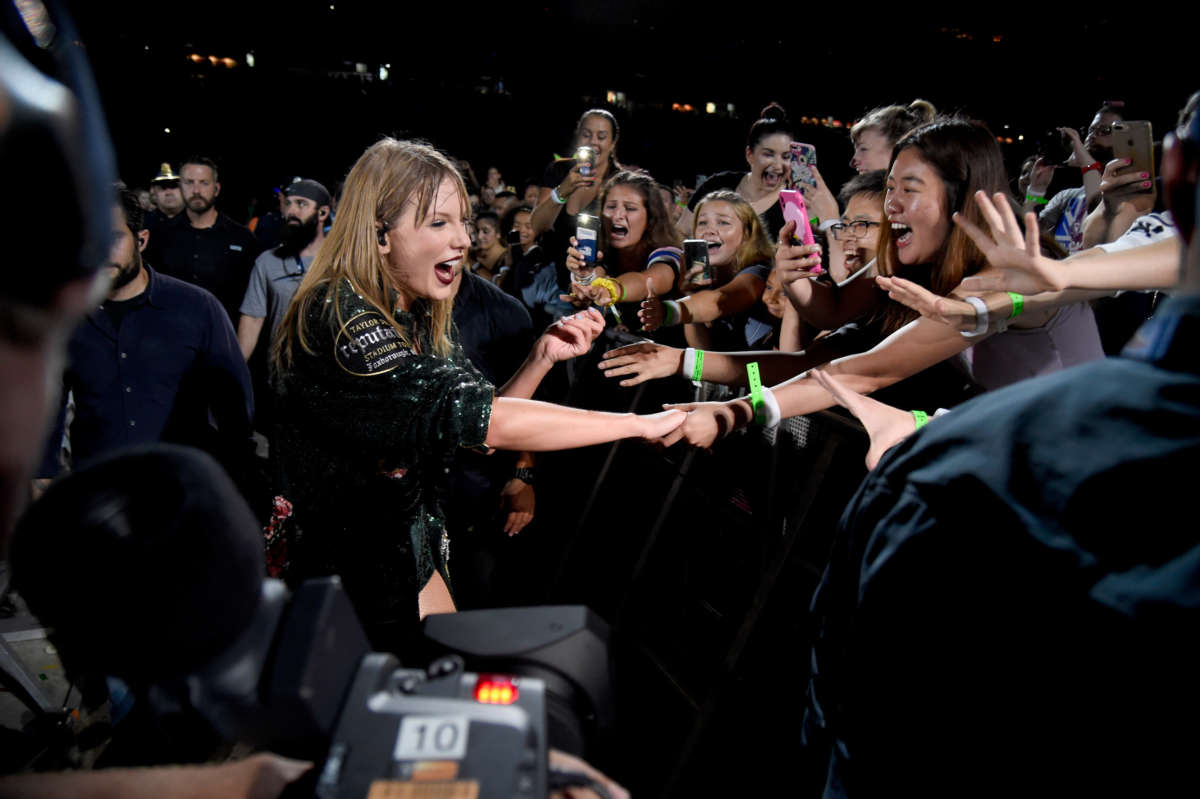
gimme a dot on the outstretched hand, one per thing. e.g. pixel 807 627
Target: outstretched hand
pixel 886 426
pixel 644 361
pixel 656 426
pixel 570 336
pixel 705 423
pixel 652 312
pixel 955 313
pixel 1017 258
pixel 1041 175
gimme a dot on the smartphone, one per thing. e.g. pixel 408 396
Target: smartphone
pixel 804 158
pixel 1135 140
pixel 586 234
pixel 1053 146
pixel 794 209
pixel 695 253
pixel 586 156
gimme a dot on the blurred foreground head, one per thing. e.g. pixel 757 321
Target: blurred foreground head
pixel 56 167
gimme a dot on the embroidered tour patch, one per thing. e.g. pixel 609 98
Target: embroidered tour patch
pixel 367 345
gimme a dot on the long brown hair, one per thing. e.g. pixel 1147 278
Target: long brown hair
pixel 659 230
pixel 965 155
pixel 388 176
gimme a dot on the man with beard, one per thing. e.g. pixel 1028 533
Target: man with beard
pixel 278 272
pixel 202 245
pixel 1064 213
pixel 151 363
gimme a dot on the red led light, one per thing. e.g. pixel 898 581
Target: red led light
pixel 494 689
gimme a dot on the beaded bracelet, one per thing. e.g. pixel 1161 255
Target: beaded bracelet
pixel 616 291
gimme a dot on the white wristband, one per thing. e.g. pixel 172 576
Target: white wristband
pixel 554 196
pixel 773 415
pixel 689 362
pixel 826 224
pixel 981 317
pixel 672 315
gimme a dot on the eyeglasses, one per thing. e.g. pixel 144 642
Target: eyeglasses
pixel 852 230
pixel 1100 130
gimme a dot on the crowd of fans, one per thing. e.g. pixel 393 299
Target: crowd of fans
pixel 922 285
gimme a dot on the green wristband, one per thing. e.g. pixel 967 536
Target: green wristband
pixel 756 397
pixel 1018 303
pixel 920 419
pixel 1036 199
pixel 698 367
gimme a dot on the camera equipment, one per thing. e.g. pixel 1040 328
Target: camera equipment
pixel 148 566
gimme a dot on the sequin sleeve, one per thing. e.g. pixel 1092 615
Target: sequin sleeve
pixel 365 385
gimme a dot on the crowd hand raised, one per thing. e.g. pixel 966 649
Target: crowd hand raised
pixel 955 313
pixel 1079 154
pixel 886 426
pixel 644 361
pixel 651 313
pixel 517 501
pixel 570 336
pixel 574 181
pixel 682 195
pixel 1016 257
pixel 693 280
pixel 1042 174
pixel 796 261
pixel 819 198
pixel 705 423
pixel 575 262
pixel 1118 184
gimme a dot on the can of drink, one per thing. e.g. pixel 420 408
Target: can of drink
pixel 695 253
pixel 586 156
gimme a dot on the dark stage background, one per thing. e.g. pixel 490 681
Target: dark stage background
pixel 503 83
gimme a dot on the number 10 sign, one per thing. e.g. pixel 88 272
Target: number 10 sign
pixel 432 738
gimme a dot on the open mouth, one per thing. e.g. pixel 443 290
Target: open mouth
pixel 853 258
pixel 444 271
pixel 771 177
pixel 619 231
pixel 902 234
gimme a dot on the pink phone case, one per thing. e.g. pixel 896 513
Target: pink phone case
pixel 794 209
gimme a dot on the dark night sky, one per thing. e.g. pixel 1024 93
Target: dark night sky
pixel 291 115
